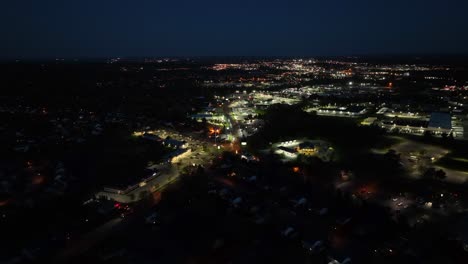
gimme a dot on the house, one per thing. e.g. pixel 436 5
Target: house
pixel 152 218
pixel 252 179
pixel 236 202
pixel 300 202
pixel 289 231
pixel 248 157
pixel 313 247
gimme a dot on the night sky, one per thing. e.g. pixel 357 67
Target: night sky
pixel 101 28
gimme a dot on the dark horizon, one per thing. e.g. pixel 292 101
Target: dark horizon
pixel 432 59
pixel 429 55
pixel 53 29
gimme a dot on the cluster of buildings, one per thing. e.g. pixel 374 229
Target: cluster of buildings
pixel 343 88
pixel 210 115
pixel 436 123
pixel 37 169
pixel 293 148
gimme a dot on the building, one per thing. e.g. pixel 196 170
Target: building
pixel 212 118
pixel 202 116
pixel 176 155
pixel 288 152
pixel 440 123
pixel 458 129
pixel 136 191
pixel 172 143
pixel 369 121
pixel 151 137
pixel 437 124
pixel 306 148
pixel 352 111
pixel 288 143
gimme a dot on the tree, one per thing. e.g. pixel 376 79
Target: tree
pixel 427 134
pixel 433 174
pixel 143 194
pixel 451 137
pixel 393 156
pixel 440 175
pixel 444 135
pixel 429 174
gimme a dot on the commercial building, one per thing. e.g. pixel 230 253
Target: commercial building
pixel 172 143
pixel 288 152
pixel 369 121
pixel 306 148
pixel 440 122
pixel 176 155
pixel 136 191
pixel 353 111
pixel 436 124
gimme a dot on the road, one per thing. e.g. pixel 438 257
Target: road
pixel 235 131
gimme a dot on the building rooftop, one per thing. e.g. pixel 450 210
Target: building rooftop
pixel 306 145
pixel 173 142
pixel 286 149
pixel 440 120
pixel 132 179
